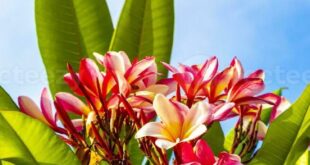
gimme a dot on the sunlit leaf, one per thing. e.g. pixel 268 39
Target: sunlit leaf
pixel 24 140
pixel 145 28
pixel 69 30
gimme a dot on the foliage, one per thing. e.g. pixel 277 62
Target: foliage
pixel 127 111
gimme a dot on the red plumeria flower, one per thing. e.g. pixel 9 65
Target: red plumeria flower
pixel 135 81
pixel 228 159
pixel 88 78
pixel 201 154
pixel 192 78
pixel 130 76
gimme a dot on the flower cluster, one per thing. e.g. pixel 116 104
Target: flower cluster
pixel 130 99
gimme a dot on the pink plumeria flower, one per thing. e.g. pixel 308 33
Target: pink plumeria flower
pixel 89 76
pixel 178 122
pixel 228 159
pixel 136 81
pixel 45 115
pixel 130 76
pixel 72 104
pixel 192 78
pixel 200 154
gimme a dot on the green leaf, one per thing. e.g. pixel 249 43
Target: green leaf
pixel 24 140
pixel 2 162
pixel 304 159
pixel 69 30
pixel 145 28
pixel 135 154
pixel 215 138
pixel 288 136
pixel 6 102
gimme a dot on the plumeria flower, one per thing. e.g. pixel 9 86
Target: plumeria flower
pixel 228 159
pixel 88 78
pixel 129 76
pixel 72 104
pixel 45 115
pixel 136 81
pixel 202 154
pixel 192 78
pixel 178 122
pixel 230 85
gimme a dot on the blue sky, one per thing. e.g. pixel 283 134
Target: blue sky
pixel 271 35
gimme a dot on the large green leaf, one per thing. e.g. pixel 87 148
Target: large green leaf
pixel 145 28
pixel 69 30
pixel 288 136
pixel 215 138
pixel 304 159
pixel 6 102
pixel 24 140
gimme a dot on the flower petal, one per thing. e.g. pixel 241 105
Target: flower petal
pixel 196 116
pixel 46 107
pixel 184 80
pixel 171 117
pixel 184 153
pixel 195 133
pixel 257 74
pixel 210 69
pixel 112 61
pixel 221 112
pixel 165 144
pixel 78 124
pixel 246 88
pixel 89 74
pixel 154 129
pixel 220 82
pixel 228 159
pixel 204 153
pixel 136 69
pixel 28 106
pixel 72 84
pixel 157 88
pixel 71 103
pixel 238 72
pixel 170 67
pixel 262 130
pixel 171 83
pixel 282 105
pixel 123 86
pixel 205 73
